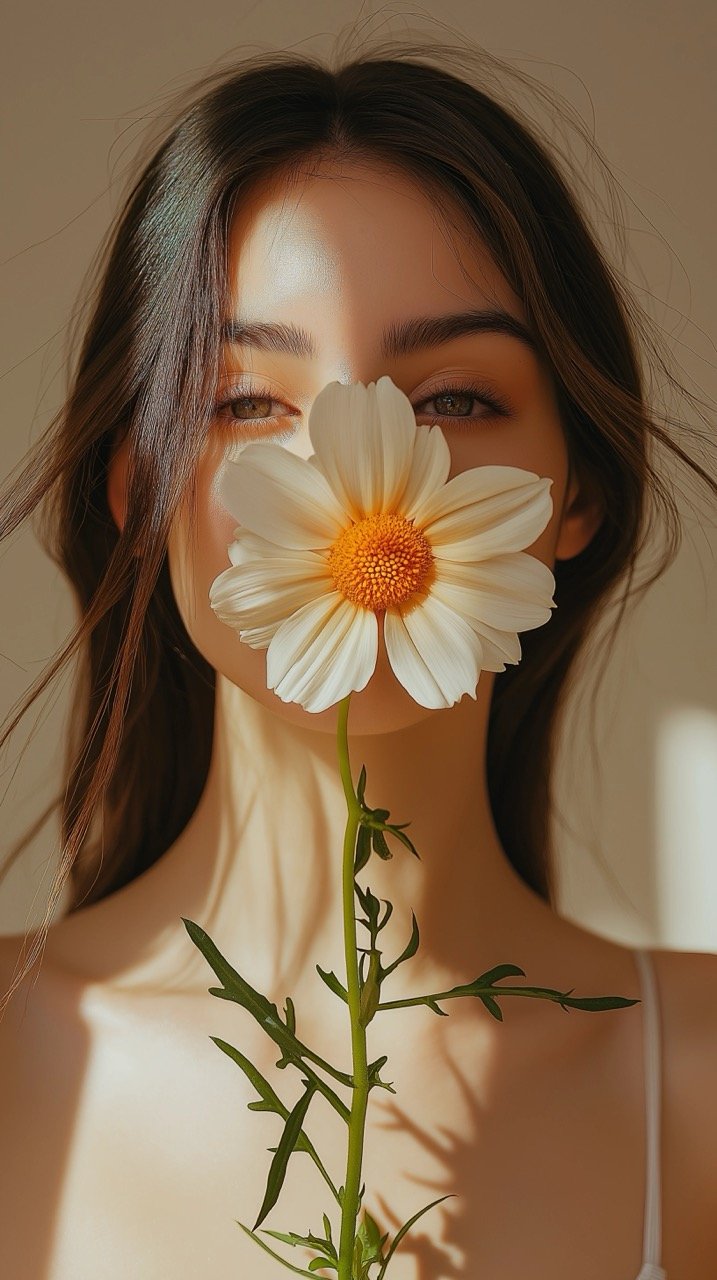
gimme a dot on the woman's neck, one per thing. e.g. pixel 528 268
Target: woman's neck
pixel 259 864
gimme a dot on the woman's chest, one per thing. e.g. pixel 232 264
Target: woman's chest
pixel 137 1153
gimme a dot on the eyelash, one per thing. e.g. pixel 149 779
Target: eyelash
pixel 498 406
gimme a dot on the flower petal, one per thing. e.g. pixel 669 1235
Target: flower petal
pixel 512 592
pixel 248 547
pixel 266 593
pixel 363 438
pixel 486 511
pixel 276 494
pixel 430 465
pixel 325 651
pixel 408 665
pixel 499 647
pixel 434 653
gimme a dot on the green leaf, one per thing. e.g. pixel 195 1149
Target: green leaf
pixel 407 1227
pixel 309 1240
pixel 299 1271
pixel 363 848
pixel 597 1002
pixel 372 1238
pixel 264 1011
pixel 387 915
pixel 374 1078
pixel 398 833
pixel 409 950
pixel 292 1237
pixel 499 971
pixel 435 1007
pixel 379 844
pixel 371 906
pixel 290 1014
pixel 289 1139
pixel 270 1099
pixel 333 983
pixel 271 1102
pixel 361 784
pixel 371 989
pixel 241 992
pixel 492 1006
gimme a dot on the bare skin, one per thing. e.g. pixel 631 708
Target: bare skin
pixel 146 1150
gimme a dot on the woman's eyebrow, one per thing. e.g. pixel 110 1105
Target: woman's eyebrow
pixel 398 339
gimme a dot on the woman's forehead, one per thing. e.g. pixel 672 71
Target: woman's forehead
pixel 370 240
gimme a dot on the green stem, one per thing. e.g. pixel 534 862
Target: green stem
pixel 359 1097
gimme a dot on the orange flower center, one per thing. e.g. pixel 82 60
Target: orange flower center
pixel 381 561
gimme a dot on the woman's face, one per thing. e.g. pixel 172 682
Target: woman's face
pixel 347 254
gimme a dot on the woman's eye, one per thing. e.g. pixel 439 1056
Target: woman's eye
pixel 253 414
pixel 251 407
pixel 455 404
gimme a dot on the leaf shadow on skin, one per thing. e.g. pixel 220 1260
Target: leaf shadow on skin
pixel 434 1260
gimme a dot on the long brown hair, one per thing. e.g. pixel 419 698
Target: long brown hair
pixel 147 357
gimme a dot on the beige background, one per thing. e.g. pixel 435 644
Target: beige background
pixel 638 856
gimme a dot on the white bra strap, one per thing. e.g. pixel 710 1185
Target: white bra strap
pixel 652 1236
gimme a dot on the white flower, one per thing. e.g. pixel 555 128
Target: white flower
pixel 369 525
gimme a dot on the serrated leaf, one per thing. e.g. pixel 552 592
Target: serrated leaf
pixel 299 1271
pixel 241 992
pixel 289 1138
pixel 310 1241
pixel 289 1237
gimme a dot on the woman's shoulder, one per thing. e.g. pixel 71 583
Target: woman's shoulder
pixel 687 985
pixel 20 1002
pixel 30 1007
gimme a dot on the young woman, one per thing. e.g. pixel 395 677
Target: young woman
pixel 290 228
